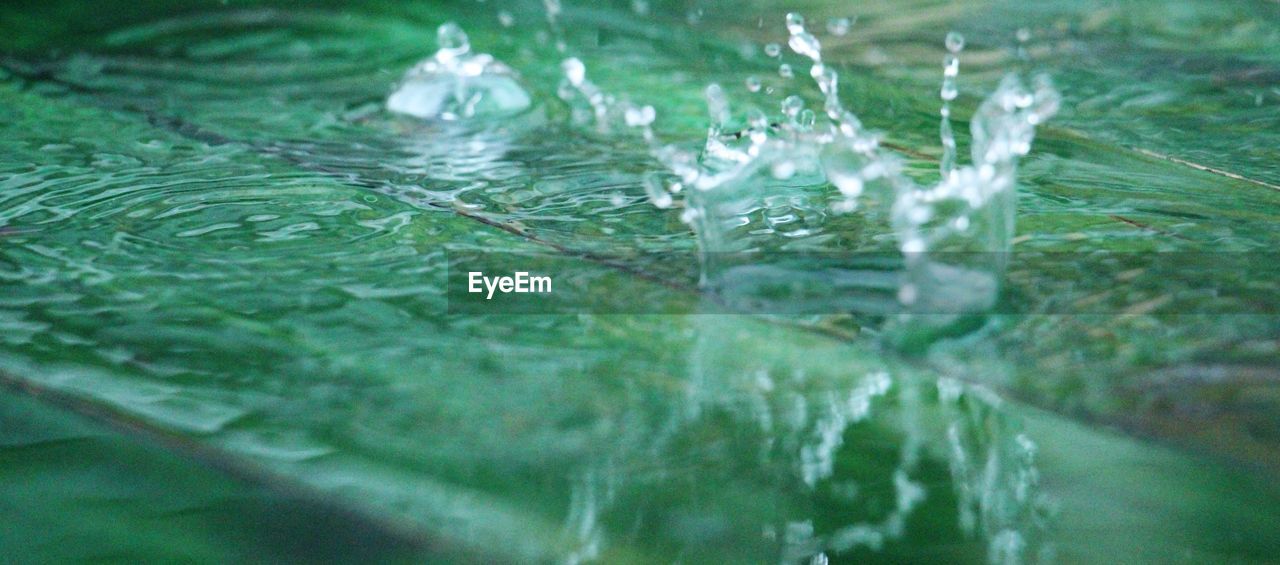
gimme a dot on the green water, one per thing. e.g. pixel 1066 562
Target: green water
pixel 223 326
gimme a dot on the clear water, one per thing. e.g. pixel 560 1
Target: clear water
pixel 221 282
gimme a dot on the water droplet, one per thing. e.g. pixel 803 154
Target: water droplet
pixel 792 105
pixel 785 71
pixel 553 8
pixel 773 50
pixel 506 19
pixel 1023 34
pixel 806 44
pixel 806 119
pixel 717 104
pixel 574 70
pixel 849 185
pixel 839 26
pixel 955 42
pixel 795 23
pixel 450 38
pixel 657 194
pixel 783 170
pixel 640 7
pixel 640 117
pixel 753 83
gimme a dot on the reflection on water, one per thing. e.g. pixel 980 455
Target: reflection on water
pixel 867 440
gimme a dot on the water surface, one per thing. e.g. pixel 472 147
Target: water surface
pixel 222 271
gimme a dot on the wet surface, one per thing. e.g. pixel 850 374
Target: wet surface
pixel 210 228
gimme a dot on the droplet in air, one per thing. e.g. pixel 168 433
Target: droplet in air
pixel 784 70
pixel 951 69
pixel 574 70
pixel 553 9
pixel 773 50
pixel 640 117
pixel 792 105
pixel 451 39
pixel 506 19
pixel 804 43
pixel 458 84
pixel 753 83
pixel 657 194
pixel 955 42
pixel 795 23
pixel 717 104
pixel 806 119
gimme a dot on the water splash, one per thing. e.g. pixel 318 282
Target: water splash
pixel 950 73
pixel 970 209
pixel 586 100
pixel 456 84
pixel 552 9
